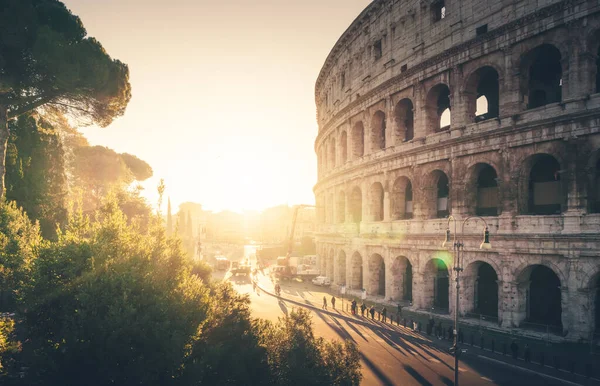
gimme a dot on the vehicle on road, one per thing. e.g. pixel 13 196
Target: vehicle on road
pixel 243 270
pixel 322 281
pixel 222 263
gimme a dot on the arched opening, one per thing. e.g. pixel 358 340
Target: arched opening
pixel 343 147
pixel 378 131
pixel 594 191
pixel 358 140
pixel 376 275
pixel 341 268
pixel 541 288
pixel 545 191
pixel 443 192
pixel 341 207
pixel 480 289
pixel 332 160
pixel 356 277
pixel 401 279
pixel 437 285
pixel 482 94
pixel 487 191
pixel 402 199
pixel 331 265
pixel 438 108
pixel 543 70
pixel 404 120
pixel 376 202
pixel 356 205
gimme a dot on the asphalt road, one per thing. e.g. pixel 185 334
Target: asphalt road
pixel 396 357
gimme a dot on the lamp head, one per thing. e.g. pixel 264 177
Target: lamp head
pixel 486 240
pixel 447 240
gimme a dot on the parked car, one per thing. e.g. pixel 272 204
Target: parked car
pixel 321 281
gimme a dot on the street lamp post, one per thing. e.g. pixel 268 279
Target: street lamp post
pixel 457 246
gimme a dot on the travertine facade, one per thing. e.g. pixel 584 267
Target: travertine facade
pixel 466 107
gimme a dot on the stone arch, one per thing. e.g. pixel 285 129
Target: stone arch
pixel 404 115
pixel 594 183
pixel 541 190
pixel 541 76
pixel 341 268
pixel 332 157
pixel 539 295
pixel 343 147
pixel 402 199
pixel 482 84
pixel 482 194
pixel 480 289
pixel 378 131
pixel 436 284
pixel 376 195
pixel 341 207
pixel 437 104
pixel 402 277
pixel 376 275
pixel 356 205
pixel 435 200
pixel 358 140
pixel 356 271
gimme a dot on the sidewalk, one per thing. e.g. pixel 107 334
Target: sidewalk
pixel 568 361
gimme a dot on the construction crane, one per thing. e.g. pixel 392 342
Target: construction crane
pixel 294 218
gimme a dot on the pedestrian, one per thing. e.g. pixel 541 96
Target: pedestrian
pixel 399 312
pixel 439 330
pixel 372 312
pixel 527 353
pixel 450 333
pixel 384 314
pixel 324 303
pixel 515 349
pixel 363 307
pixel 333 302
pixel 353 307
pixel 461 337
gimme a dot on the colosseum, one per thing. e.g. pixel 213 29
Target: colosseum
pixel 433 111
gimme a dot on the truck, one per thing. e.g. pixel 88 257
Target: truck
pixel 222 263
pixel 240 269
pixel 292 267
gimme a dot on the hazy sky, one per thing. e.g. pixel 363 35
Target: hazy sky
pixel 223 93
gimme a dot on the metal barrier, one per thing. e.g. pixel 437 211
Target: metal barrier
pixel 595 344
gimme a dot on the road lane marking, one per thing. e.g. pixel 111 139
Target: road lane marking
pixel 486 379
pixel 529 371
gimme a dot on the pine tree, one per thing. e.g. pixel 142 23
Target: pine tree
pixel 169 219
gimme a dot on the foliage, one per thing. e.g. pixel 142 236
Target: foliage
pixel 8 344
pixel 111 305
pixel 19 243
pixel 47 59
pixel 35 173
pixel 297 357
pixel 140 169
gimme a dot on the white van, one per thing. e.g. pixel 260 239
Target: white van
pixel 322 281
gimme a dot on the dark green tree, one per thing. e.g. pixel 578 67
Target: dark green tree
pixel 35 172
pixel 47 62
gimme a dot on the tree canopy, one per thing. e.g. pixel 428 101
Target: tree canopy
pixel 48 61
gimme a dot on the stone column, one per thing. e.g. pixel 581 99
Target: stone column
pixel 510 88
pixel 420 115
pixel 418 290
pixel 457 103
pixel 509 312
pixel 386 206
pixel 586 82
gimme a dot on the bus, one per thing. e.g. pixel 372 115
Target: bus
pixel 222 264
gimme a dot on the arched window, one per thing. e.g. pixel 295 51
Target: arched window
pixel 402 199
pixel 436 286
pixel 358 140
pixel 378 131
pixel 487 192
pixel 544 76
pixel 438 108
pixel 482 94
pixel 545 190
pixel 356 205
pixel 539 287
pixel 376 202
pixel 341 207
pixel 443 192
pixel 401 279
pixel 404 120
pixel 343 147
